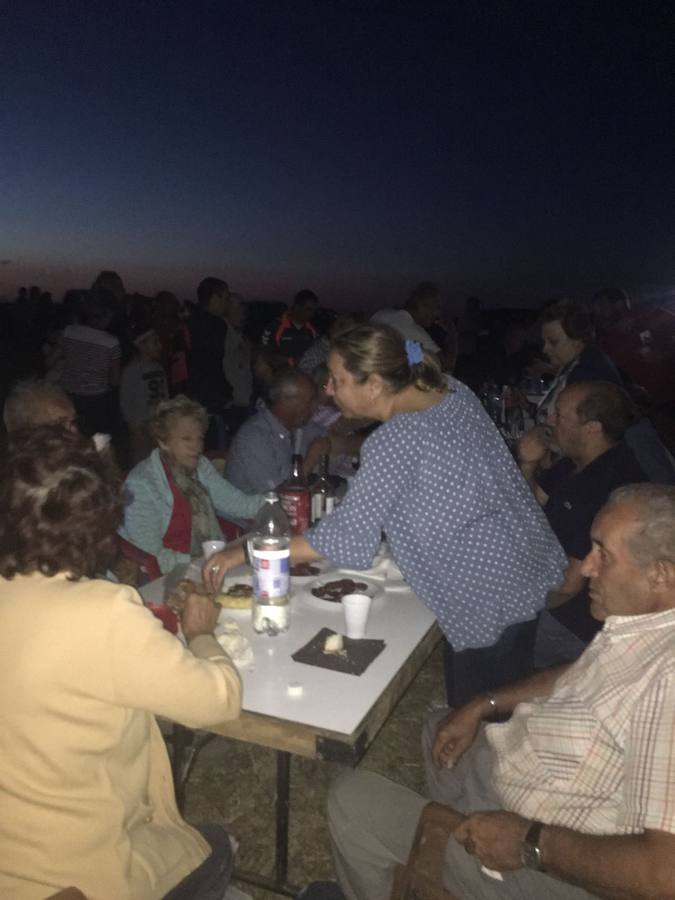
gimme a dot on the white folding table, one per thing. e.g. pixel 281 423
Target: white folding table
pixel 310 711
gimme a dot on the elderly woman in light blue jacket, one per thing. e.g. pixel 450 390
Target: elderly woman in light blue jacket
pixel 172 497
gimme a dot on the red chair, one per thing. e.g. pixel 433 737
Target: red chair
pixel 230 531
pixel 215 455
pixel 147 562
pixel 217 458
pixel 165 614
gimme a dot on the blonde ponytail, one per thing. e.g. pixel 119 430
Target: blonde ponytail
pixel 380 350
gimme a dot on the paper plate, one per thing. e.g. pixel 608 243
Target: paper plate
pixel 239 575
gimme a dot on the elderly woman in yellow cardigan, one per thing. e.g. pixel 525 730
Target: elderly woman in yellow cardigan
pixel 85 784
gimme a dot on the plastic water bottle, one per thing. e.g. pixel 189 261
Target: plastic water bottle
pixel 269 552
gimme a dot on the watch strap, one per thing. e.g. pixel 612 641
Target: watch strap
pixel 532 843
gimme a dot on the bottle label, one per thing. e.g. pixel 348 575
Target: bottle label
pixel 271 576
pixel 322 505
pixel 296 505
pixel 317 506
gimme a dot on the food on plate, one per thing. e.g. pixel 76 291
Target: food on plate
pixel 237 596
pixel 334 591
pixel 304 570
pixel 238 590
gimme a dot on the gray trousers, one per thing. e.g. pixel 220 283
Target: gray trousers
pixel 372 823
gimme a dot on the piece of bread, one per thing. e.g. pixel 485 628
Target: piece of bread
pixel 238 596
pixel 333 644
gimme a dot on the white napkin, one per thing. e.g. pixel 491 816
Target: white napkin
pixel 234 643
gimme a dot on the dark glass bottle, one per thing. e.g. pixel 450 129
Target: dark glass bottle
pixel 323 495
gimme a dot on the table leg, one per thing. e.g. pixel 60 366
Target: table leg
pixel 278 884
pixel 282 813
pixel 185 745
pixel 180 740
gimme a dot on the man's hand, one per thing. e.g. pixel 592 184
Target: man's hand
pixel 532 447
pixel 456 733
pixel 199 616
pixel 216 566
pixel 320 446
pixel 495 838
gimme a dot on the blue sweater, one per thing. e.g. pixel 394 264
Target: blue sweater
pixel 149 506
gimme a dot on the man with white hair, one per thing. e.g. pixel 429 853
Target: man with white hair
pixel 259 458
pixel 34 402
pixel 421 310
pixel 574 797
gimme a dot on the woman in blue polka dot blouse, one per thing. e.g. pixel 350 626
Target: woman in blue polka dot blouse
pixel 461 522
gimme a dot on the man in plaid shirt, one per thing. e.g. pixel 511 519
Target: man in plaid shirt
pixel 574 796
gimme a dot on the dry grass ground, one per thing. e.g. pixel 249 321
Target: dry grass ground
pixel 234 783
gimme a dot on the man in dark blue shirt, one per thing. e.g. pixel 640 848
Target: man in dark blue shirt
pixel 588 424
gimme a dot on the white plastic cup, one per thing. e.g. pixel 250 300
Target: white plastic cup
pixel 211 547
pixel 356 608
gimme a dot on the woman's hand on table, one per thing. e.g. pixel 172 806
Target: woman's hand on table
pixel 216 567
pixel 456 733
pixel 199 616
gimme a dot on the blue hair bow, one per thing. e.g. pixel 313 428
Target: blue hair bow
pixel 414 352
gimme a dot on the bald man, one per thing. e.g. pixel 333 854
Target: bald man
pixel 37 402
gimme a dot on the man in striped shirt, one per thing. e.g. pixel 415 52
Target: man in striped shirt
pixel 91 363
pixel 574 796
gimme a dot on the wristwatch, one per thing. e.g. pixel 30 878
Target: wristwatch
pixel 530 853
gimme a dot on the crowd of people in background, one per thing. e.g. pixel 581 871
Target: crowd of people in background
pixel 118 354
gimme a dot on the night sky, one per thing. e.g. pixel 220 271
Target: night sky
pixel 514 151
